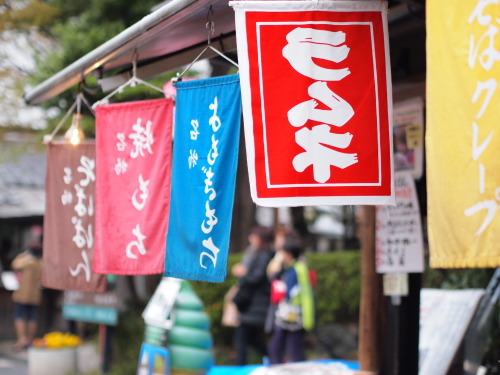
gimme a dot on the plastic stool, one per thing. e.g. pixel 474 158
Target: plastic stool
pixel 147 359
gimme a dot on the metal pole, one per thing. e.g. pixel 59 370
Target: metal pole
pixel 105 347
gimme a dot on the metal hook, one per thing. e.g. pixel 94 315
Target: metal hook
pixel 135 57
pixel 79 102
pixel 210 25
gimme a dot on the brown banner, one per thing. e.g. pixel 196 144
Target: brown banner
pixel 68 244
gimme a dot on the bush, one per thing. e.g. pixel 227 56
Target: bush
pixel 338 285
pixel 457 278
pixel 127 338
pixel 212 295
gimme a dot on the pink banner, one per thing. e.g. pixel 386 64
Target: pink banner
pixel 68 233
pixel 134 145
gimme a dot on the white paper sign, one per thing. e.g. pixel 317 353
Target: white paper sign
pixel 399 244
pixel 395 284
pixel 445 316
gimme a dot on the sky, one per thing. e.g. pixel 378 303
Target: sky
pixel 15 56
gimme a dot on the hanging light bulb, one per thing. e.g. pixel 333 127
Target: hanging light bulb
pixel 75 134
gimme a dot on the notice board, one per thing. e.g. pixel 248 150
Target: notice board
pixel 445 316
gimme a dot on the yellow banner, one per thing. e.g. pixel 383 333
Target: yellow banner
pixel 463 133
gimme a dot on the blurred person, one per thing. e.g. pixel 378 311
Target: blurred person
pixel 294 314
pixel 275 269
pixel 276 264
pixel 28 296
pixel 253 294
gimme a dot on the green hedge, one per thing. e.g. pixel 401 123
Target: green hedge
pixel 457 278
pixel 338 285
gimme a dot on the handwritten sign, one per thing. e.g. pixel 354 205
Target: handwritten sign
pixel 399 244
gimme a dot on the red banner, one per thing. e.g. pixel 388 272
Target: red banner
pixel 68 232
pixel 134 142
pixel 315 82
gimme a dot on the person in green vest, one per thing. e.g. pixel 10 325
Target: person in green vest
pixel 295 312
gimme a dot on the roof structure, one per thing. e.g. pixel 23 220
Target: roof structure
pixel 22 184
pixel 168 38
pixel 171 37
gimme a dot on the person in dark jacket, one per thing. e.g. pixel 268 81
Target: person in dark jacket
pixel 251 273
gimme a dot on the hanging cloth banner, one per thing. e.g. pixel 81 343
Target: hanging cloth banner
pixel 316 89
pixel 207 119
pixel 68 230
pixel 463 102
pixel 133 186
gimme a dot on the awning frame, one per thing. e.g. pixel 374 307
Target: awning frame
pixel 180 23
pixel 125 44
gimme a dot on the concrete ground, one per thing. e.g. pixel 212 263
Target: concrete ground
pixel 15 362
pixel 12 362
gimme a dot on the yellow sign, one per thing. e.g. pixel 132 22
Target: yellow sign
pixel 463 133
pixel 414 135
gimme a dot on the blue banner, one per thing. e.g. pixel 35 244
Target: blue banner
pixel 205 158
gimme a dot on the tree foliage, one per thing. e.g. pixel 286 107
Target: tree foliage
pixel 81 26
pixel 26 16
pixel 38 38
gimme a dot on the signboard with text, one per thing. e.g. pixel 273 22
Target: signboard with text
pixel 69 222
pixel 101 308
pixel 462 138
pixel 445 316
pixel 207 117
pixel 134 142
pixel 317 100
pixel 399 242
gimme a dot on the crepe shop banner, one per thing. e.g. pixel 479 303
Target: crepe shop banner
pixel 316 101
pixel 462 139
pixel 207 129
pixel 68 231
pixel 133 186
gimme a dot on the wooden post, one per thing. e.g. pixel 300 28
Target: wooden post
pixel 370 317
pixel 105 347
